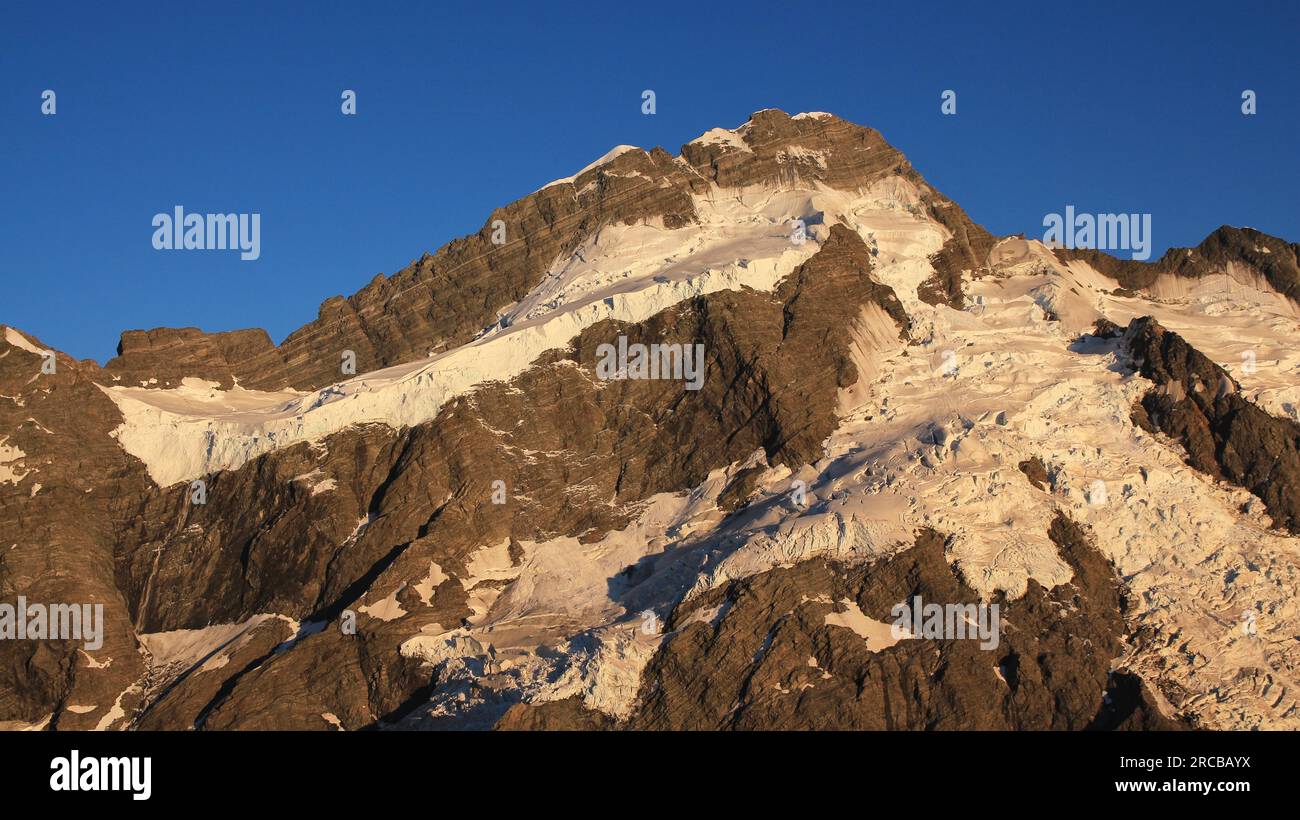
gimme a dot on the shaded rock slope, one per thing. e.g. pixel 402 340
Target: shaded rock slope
pixel 1199 405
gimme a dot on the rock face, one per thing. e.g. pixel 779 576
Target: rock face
pixel 167 355
pixel 1036 472
pixel 561 545
pixel 568 714
pixel 774 661
pixel 1200 406
pixel 778 655
pixel 59 518
pixel 965 254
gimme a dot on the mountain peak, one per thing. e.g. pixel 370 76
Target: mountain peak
pixel 678 424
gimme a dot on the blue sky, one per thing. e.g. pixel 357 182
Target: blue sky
pixel 233 107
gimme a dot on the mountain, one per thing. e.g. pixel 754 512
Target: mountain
pixel 433 507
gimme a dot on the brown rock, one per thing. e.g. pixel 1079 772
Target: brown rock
pixel 1226 436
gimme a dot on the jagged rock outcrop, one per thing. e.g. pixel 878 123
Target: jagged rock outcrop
pixel 1238 252
pixel 1036 472
pixel 774 147
pixel 966 253
pixel 164 356
pixel 773 652
pixel 1199 405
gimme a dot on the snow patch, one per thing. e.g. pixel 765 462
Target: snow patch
pixel 211 646
pixel 722 136
pixel 8 455
pixel 877 634
pixel 20 341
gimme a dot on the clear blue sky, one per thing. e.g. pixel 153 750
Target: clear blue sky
pixel 235 108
